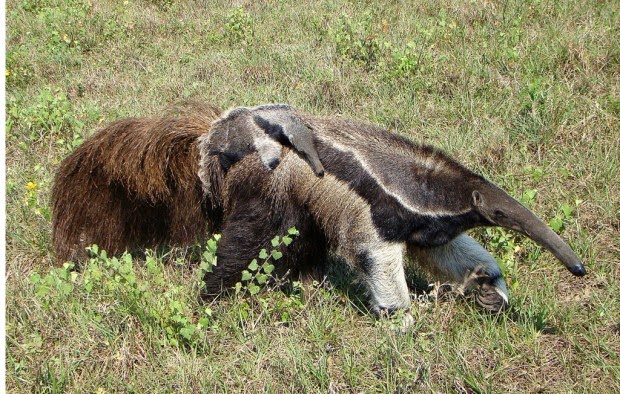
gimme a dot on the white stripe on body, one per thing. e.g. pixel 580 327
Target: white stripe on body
pixel 376 176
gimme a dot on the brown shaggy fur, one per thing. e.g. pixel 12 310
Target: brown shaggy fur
pixel 135 184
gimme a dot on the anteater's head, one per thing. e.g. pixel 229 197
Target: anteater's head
pixel 499 209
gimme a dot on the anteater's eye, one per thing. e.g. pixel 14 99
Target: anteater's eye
pixel 499 214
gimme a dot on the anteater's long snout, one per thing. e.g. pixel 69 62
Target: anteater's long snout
pixel 538 231
pixel 509 213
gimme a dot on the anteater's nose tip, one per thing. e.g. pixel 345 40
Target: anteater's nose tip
pixel 578 270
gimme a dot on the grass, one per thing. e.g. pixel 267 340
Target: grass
pixel 525 92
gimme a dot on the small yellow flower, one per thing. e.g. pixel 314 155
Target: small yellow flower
pixel 7 72
pixel 31 186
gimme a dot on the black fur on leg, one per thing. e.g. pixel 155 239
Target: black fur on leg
pixel 245 231
pixel 249 226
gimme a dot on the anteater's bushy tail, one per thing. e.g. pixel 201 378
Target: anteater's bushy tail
pixel 135 184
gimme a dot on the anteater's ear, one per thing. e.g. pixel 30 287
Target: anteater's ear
pixel 476 198
pixel 287 129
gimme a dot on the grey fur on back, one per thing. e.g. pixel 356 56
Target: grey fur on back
pixel 262 129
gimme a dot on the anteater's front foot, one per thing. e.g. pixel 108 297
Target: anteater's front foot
pixel 406 321
pixel 490 292
pixel 490 298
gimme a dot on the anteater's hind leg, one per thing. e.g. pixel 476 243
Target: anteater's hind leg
pixel 245 230
pixel 465 261
pixel 249 226
pixel 309 251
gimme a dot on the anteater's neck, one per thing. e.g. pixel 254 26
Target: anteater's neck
pixel 416 193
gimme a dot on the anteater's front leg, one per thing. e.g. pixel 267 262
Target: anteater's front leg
pixel 347 224
pixel 381 266
pixel 465 261
pixel 382 269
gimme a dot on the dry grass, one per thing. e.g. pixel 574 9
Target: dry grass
pixel 527 93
